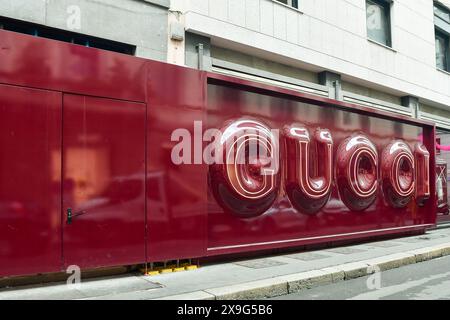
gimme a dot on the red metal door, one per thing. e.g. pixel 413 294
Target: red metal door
pixel 30 184
pixel 103 182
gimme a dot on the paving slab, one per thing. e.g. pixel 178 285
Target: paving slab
pixel 308 256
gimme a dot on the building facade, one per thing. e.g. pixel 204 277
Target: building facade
pixel 392 55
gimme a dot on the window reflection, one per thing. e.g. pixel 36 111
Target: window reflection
pixel 378 21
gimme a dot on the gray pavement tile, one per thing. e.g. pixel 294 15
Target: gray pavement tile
pixel 345 250
pixel 307 256
pixel 385 244
pixel 117 285
pixel 415 240
pixel 260 263
pixel 86 289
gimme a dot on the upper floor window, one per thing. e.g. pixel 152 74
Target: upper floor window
pixel 442 36
pixel 442 13
pixel 378 15
pixel 65 36
pixel 291 3
pixel 442 51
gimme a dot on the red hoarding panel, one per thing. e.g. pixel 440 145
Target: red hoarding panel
pixel 30 181
pixel 342 172
pixel 41 63
pixel 177 194
pixel 103 182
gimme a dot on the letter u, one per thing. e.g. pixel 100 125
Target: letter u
pixel 309 175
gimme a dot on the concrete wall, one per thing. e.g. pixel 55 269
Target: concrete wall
pixel 371 93
pixel 330 35
pixel 142 23
pixel 263 64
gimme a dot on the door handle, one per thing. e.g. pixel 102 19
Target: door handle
pixel 71 215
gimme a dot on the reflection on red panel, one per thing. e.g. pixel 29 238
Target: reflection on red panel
pixel 306 155
pixel 358 201
pixel 176 205
pixel 30 229
pixel 357 172
pixel 247 181
pixel 40 63
pixel 103 182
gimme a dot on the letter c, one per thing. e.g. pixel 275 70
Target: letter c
pixel 357 172
pixel 398 173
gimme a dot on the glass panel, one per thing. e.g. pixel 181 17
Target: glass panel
pixel 442 13
pixel 292 3
pixel 441 52
pixel 283 1
pixel 378 22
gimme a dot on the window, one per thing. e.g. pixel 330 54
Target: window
pixel 378 15
pixel 442 36
pixel 291 3
pixel 442 13
pixel 442 51
pixel 65 36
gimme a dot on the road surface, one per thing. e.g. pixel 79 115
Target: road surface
pixel 422 281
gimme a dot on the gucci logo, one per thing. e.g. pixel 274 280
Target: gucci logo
pixel 306 164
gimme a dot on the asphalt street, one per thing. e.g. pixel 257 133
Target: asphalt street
pixel 422 281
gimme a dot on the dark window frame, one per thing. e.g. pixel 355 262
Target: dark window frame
pixel 42 31
pixel 289 3
pixel 446 38
pixel 442 31
pixel 441 9
pixel 387 5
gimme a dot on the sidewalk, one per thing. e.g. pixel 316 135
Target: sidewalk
pixel 254 278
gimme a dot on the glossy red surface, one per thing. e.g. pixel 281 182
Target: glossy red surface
pixel 176 203
pixel 306 155
pixel 246 182
pixel 103 182
pixel 357 164
pixel 93 132
pixel 40 63
pixel 30 176
pixel 288 224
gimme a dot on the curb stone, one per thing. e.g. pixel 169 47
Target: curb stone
pixel 265 288
pixel 354 270
pixel 392 261
pixel 307 280
pixel 196 295
pixel 287 284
